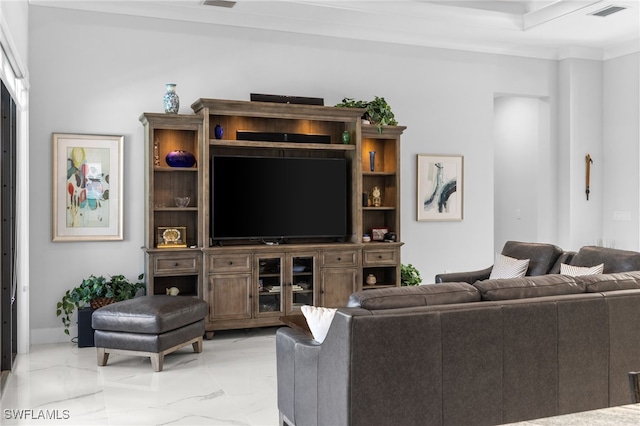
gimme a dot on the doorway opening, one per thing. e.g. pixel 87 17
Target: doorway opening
pixel 8 252
pixel 524 170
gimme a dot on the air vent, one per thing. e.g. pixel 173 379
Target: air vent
pixel 219 3
pixel 607 11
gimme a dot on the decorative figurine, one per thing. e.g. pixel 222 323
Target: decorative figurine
pixel 376 196
pixel 156 153
pixel 173 291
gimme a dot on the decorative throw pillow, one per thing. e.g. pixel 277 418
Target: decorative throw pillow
pixel 508 267
pixel 576 271
pixel 319 320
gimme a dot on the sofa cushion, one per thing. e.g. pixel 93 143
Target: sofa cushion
pixel 611 282
pixel 527 287
pixel 409 296
pixel 508 267
pixel 614 260
pixel 576 271
pixel 542 256
pixel 319 320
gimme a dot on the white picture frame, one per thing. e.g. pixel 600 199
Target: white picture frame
pixel 87 187
pixel 440 187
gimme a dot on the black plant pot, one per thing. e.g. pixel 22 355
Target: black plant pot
pixel 85 331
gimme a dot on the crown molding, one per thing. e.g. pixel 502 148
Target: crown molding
pixel 361 26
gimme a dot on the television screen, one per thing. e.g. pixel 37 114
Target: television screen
pixel 278 197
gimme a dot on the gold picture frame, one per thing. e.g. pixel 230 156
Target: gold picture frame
pixel 87 187
pixel 171 237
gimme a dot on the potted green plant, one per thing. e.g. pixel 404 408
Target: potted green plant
pixel 377 111
pixel 409 275
pixel 96 292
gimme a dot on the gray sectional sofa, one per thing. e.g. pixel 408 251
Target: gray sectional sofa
pixel 546 259
pixel 495 352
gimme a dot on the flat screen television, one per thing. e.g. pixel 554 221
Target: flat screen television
pixel 278 198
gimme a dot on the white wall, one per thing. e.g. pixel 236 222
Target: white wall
pixel 581 134
pixel 621 197
pixel 96 73
pixel 13 19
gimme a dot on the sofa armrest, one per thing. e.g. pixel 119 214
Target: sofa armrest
pixel 467 277
pixel 297 368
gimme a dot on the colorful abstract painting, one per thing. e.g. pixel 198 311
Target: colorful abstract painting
pixel 87 187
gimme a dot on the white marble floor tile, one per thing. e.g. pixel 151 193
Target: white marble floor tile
pixel 232 382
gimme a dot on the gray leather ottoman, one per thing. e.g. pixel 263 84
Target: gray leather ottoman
pixel 150 326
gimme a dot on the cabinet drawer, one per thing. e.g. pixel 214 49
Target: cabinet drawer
pixel 380 257
pixel 340 258
pixel 230 262
pixel 171 265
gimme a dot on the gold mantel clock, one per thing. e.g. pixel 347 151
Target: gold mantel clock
pixel 172 236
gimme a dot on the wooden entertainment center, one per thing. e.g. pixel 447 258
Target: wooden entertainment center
pixel 246 283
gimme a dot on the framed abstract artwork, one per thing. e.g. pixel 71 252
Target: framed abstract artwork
pixel 440 187
pixel 87 187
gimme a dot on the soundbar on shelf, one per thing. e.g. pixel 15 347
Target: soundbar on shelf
pixel 281 137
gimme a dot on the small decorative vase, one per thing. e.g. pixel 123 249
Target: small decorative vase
pixel 372 160
pixel 371 279
pixel 171 99
pixel 180 158
pixel 346 137
pixel 218 131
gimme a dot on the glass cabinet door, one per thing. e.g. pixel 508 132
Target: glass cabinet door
pixel 302 281
pixel 270 286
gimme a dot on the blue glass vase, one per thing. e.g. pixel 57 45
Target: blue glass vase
pixel 218 131
pixel 372 160
pixel 180 158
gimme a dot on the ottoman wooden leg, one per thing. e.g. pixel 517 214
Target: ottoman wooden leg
pixel 103 357
pixel 197 345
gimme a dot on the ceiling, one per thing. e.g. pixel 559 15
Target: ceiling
pixel 552 29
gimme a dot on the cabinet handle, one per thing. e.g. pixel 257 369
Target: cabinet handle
pixel 339 259
pixel 230 263
pixel 250 296
pixel 176 264
pixel 379 256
